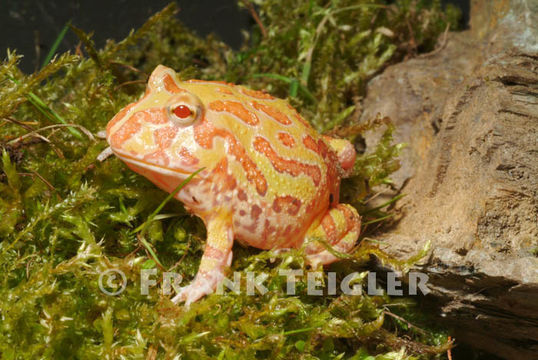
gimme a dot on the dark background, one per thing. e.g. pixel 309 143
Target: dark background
pixel 31 26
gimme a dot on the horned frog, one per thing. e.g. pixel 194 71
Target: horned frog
pixel 269 179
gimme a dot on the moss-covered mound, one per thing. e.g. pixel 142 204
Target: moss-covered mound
pixel 66 217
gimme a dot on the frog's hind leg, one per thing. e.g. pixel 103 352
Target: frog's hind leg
pixel 339 227
pixel 216 259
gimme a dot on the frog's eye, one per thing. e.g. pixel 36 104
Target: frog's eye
pixel 182 111
pixel 183 114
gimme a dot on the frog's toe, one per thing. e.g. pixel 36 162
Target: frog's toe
pixel 200 287
pixel 190 294
pixel 180 297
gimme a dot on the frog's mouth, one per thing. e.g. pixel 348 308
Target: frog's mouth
pixel 153 167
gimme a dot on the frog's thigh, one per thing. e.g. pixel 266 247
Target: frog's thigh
pixel 216 259
pixel 345 152
pixel 339 227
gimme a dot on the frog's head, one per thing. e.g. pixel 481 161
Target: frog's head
pixel 154 136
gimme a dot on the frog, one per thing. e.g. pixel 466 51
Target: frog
pixel 268 179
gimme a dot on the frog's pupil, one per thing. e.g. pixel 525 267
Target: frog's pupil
pixel 182 111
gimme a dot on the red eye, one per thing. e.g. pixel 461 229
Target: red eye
pixel 182 111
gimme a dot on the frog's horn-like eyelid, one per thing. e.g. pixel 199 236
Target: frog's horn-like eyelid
pixel 156 79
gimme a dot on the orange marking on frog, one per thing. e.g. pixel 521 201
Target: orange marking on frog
pixel 252 171
pixel 170 85
pixel 225 91
pixel 119 116
pixel 237 109
pixel 257 94
pixel 287 231
pixel 221 178
pixel 311 144
pixel 282 165
pixel 242 195
pixel 286 139
pixel 158 156
pixel 126 131
pixel 268 230
pixel 205 132
pixel 329 227
pixel 209 82
pixel 320 148
pixel 213 252
pixel 186 157
pixel 164 136
pixel 272 112
pixel 155 116
pixel 288 204
pixel 349 216
pixel 255 211
pixel 252 227
pixel 299 117
pixel 324 151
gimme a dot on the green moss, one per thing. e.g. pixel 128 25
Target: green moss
pixel 65 217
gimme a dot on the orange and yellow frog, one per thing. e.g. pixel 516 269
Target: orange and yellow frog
pixel 269 179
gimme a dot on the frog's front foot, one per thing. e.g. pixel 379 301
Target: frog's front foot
pixel 203 284
pixel 191 293
pixel 216 259
pixel 339 228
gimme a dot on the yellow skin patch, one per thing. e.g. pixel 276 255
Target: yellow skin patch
pixel 270 180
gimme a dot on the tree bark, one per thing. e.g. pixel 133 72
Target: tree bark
pixel 469 113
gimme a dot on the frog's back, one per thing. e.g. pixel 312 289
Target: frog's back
pixel 283 173
pixel 266 131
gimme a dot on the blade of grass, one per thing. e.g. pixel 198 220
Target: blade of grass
pixel 393 200
pixel 291 81
pixel 166 216
pixel 56 44
pixel 142 228
pixel 298 331
pixel 150 218
pixel 339 118
pixel 331 249
pixel 274 76
pixel 305 74
pixel 378 219
pixel 148 247
pixel 294 87
pixel 86 39
pixel 68 126
pixel 48 112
